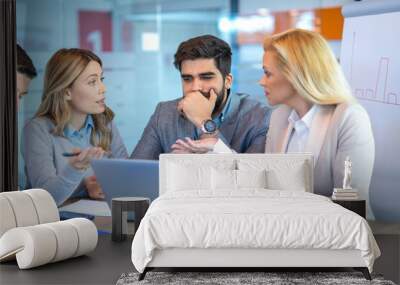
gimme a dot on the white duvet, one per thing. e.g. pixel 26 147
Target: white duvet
pixel 250 219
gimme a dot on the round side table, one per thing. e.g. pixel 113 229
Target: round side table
pixel 122 205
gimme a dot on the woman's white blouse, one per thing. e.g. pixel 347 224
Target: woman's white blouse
pixel 300 130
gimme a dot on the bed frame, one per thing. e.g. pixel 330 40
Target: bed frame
pixel 248 259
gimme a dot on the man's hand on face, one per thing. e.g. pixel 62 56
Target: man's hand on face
pixel 196 107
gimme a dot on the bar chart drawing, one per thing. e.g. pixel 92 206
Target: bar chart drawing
pixel 380 93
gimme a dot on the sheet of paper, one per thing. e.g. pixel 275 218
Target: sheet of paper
pixel 91 207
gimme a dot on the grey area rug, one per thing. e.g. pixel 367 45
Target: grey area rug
pixel 273 278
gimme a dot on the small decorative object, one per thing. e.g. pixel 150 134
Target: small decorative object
pixel 347 174
pixel 346 192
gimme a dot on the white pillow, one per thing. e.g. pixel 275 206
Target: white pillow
pixel 193 174
pixel 288 174
pixel 251 178
pixel 225 179
pixel 293 179
pixel 183 177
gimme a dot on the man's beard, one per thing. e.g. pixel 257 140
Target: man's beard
pixel 218 103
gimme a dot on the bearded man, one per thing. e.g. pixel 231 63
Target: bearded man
pixel 207 111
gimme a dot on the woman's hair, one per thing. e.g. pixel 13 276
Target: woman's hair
pixel 306 60
pixel 63 68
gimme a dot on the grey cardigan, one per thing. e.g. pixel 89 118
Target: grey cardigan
pixel 47 168
pixel 337 131
pixel 244 129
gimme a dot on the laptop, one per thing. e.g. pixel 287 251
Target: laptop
pixel 127 178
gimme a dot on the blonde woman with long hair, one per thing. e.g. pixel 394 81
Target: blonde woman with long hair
pixel 316 112
pixel 72 126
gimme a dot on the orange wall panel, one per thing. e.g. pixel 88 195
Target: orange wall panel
pixel 330 22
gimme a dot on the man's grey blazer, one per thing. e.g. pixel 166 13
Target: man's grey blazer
pixel 243 130
pixel 337 131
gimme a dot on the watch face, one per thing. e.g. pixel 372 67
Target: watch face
pixel 210 126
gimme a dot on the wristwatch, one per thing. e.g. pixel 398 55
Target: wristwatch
pixel 209 126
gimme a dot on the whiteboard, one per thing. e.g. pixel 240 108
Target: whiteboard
pixel 370 57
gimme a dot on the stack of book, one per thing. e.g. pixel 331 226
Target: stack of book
pixel 345 194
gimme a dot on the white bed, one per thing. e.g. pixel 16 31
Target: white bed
pixel 220 211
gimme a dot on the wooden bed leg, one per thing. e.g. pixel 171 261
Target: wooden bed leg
pixel 143 274
pixel 364 271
